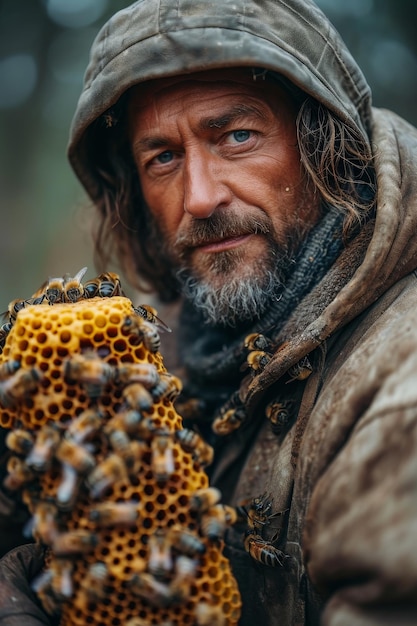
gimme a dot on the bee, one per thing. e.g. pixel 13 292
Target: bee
pixel 89 370
pixel 54 290
pixel 73 289
pixel 75 455
pixel 193 443
pixel 145 373
pixel 46 442
pixel 92 585
pixel 279 415
pixel 168 387
pixel 120 514
pixel 13 309
pixel 144 330
pixel 258 512
pixel 148 588
pixel 185 571
pixel 186 541
pixel 19 386
pixel 204 498
pixel 8 368
pixel 258 360
pixel 263 551
pixel 4 331
pixel 19 474
pixel 229 421
pixel 111 470
pixel 151 315
pixel 190 408
pixel 301 370
pixel 130 451
pixel 54 585
pixel 162 456
pixel 127 421
pixel 207 614
pixel 105 286
pixel 68 488
pixel 137 397
pixel 215 521
pixel 85 426
pixel 79 541
pixel 256 341
pixel 20 441
pixel 44 522
pixel 160 561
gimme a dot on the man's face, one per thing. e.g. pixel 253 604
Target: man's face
pixel 220 172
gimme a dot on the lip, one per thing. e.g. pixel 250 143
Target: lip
pixel 224 244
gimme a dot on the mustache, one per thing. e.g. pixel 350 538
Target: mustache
pixel 220 226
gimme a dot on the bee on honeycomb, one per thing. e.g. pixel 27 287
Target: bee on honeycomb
pixel 110 477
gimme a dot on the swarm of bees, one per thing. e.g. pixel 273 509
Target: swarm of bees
pixel 115 485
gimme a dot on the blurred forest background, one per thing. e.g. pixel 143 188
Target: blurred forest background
pixel 44 47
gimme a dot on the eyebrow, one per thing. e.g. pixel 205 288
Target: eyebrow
pixel 206 123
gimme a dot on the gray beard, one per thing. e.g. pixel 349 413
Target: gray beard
pixel 237 300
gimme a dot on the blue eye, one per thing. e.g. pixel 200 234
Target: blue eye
pixel 241 135
pixel 165 157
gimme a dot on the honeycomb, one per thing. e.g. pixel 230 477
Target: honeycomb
pixel 115 486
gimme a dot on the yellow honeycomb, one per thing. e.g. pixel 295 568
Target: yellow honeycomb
pixel 115 485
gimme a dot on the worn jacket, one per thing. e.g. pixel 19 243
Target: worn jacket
pixel 342 477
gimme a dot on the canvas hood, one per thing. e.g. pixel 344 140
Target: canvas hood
pixel 159 38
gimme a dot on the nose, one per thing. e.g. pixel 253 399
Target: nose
pixel 205 189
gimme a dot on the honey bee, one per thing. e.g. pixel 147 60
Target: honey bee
pixel 44 522
pixel 85 426
pixel 263 551
pixel 118 514
pixel 229 420
pixel 145 373
pixel 4 331
pixel 150 314
pixel 256 341
pixel 75 455
pixel 137 397
pixel 54 585
pixel 279 415
pixel 13 309
pixel 148 588
pixel 162 456
pixel 46 442
pixel 204 498
pixel 258 360
pixel 128 421
pixel 68 488
pixel 145 331
pixel 186 541
pixel 257 511
pixel 73 289
pixel 193 443
pixel 92 585
pixel 19 386
pixel 207 614
pixel 20 441
pixel 89 370
pixel 185 571
pixel 160 561
pixel 79 541
pixel 168 387
pixel 301 370
pixel 105 286
pixel 19 474
pixel 8 368
pixel 54 290
pixel 111 470
pixel 215 521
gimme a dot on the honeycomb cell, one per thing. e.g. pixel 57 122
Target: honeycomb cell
pixel 116 480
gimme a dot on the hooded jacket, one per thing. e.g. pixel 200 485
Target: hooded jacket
pixel 342 476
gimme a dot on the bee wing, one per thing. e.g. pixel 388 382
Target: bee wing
pixel 78 276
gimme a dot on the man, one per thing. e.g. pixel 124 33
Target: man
pixel 238 167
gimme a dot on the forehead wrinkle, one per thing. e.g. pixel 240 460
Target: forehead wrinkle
pixel 231 115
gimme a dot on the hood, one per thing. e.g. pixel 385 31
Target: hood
pixel 159 38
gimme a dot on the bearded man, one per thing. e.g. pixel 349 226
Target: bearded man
pixel 239 170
